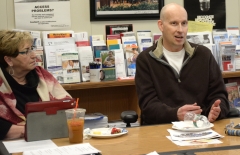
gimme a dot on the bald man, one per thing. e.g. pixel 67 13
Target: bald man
pixel 174 77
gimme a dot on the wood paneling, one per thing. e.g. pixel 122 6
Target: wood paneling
pixel 110 101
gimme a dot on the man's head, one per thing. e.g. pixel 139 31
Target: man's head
pixel 173 24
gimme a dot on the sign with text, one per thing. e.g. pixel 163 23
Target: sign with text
pixel 44 15
pixel 209 11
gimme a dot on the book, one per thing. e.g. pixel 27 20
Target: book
pixel 70 66
pixel 97 50
pixel 118 29
pixel 200 38
pixel 113 36
pixel 233 94
pixel 39 57
pixel 232 31
pixel 108 65
pixel 127 34
pixel 227 56
pixel 120 63
pixel 85 57
pixel 57 34
pixel 156 36
pixel 55 47
pixel 218 39
pixel 57 72
pixel 131 53
pixel 219 33
pixel 113 42
pixel 144 43
pixel 81 39
pixel 143 33
pixel 115 46
pixel 235 39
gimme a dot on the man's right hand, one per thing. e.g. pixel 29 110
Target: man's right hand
pixel 188 108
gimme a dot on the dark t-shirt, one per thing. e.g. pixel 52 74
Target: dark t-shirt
pixel 23 94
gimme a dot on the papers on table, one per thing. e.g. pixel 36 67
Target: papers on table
pixel 181 135
pixel 17 146
pixel 195 142
pixel 77 149
pixel 182 138
pixel 50 148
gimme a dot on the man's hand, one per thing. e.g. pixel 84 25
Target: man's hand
pixel 188 108
pixel 215 111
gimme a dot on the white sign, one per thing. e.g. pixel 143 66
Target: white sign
pixel 42 15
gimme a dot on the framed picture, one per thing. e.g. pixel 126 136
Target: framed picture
pixel 109 10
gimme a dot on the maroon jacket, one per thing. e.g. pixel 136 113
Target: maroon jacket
pixel 161 90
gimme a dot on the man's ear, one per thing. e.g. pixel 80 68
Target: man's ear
pixel 160 25
pixel 8 60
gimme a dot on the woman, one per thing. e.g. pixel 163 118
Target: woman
pixel 21 82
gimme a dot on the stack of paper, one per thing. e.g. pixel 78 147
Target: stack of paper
pixel 84 148
pixel 96 120
pixel 187 134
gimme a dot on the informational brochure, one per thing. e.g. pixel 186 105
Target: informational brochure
pixel 85 57
pixel 183 135
pixel 70 66
pixel 200 38
pixel 54 49
pixel 120 63
pixel 42 15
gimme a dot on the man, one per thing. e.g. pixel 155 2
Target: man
pixel 174 77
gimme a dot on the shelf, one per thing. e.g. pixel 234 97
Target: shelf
pixel 104 84
pixel 231 74
pixel 90 85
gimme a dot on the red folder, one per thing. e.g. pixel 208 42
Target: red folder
pixel 47 120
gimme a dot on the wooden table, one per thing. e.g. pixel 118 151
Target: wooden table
pixel 146 139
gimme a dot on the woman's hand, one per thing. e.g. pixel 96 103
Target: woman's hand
pixel 15 132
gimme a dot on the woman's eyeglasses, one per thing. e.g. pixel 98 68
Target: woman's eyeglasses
pixel 26 52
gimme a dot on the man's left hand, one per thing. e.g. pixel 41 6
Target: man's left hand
pixel 215 111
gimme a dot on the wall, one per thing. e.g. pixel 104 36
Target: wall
pixel 80 18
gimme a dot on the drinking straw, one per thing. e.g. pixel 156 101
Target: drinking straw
pixel 76 103
pixel 75 109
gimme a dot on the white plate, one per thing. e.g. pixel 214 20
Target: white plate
pixel 102 133
pixel 193 129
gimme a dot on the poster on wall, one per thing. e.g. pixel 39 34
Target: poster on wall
pixel 42 14
pixel 211 11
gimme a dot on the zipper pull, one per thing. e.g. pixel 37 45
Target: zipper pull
pixel 179 81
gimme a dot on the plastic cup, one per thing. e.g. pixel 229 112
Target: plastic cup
pixel 198 121
pixel 75 122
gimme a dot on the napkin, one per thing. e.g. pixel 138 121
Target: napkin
pixel 183 124
pixel 86 133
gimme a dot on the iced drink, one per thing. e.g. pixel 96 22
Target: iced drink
pixel 75 130
pixel 75 122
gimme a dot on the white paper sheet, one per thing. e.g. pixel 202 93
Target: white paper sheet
pixel 78 149
pixel 42 15
pixel 195 142
pixel 17 146
pixel 181 135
